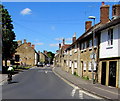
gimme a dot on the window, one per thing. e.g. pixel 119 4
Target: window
pixel 110 37
pixel 75 64
pixel 75 49
pixel 70 63
pixel 95 42
pixel 84 66
pixel 90 66
pixel 67 62
pixel 84 46
pixel 81 46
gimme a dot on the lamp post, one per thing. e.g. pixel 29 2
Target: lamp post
pixel 93 53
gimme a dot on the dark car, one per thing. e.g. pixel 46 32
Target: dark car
pixel 40 64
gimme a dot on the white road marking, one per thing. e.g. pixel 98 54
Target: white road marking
pixel 80 94
pixel 73 92
pixel 76 87
pixel 94 96
pixel 46 72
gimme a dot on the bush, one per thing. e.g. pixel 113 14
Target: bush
pixel 86 77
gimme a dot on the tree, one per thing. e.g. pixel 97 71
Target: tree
pixel 8 35
pixel 51 57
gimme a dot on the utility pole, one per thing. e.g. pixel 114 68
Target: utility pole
pixel 93 53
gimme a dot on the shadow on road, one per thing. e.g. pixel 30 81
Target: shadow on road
pixel 12 82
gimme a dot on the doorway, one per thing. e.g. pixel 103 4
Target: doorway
pixel 112 73
pixel 103 74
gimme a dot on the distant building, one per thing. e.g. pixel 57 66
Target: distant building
pixel 26 54
pixel 43 58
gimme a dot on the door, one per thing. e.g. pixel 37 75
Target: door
pixel 112 73
pixel 103 74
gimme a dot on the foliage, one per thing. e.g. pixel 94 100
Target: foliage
pixel 86 77
pixel 75 74
pixel 8 35
pixel 50 56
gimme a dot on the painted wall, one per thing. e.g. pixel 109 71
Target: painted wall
pixel 109 51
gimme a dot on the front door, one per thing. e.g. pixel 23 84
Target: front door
pixel 103 75
pixel 112 73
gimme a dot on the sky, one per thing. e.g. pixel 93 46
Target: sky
pixel 46 23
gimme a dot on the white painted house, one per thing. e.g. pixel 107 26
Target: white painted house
pixel 109 53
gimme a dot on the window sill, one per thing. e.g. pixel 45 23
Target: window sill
pixel 90 48
pixel 109 47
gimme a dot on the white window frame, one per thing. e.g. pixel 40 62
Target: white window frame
pixel 75 49
pixel 75 64
pixel 70 65
pixel 84 66
pixel 90 44
pixel 90 66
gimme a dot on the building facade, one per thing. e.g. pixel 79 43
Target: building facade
pixel 95 54
pixel 26 54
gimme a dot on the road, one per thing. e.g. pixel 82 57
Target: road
pixel 41 83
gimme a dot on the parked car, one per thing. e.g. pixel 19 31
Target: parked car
pixel 48 65
pixel 40 64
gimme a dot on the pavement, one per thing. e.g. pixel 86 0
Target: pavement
pixel 110 93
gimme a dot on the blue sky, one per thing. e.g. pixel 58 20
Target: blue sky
pixel 45 23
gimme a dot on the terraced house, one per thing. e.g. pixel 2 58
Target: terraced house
pixel 95 54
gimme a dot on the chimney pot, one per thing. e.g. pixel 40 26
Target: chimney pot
pixel 103 3
pixel 25 41
pixel 63 41
pixel 29 44
pixel 74 37
pixel 33 46
pixel 19 42
pixel 116 11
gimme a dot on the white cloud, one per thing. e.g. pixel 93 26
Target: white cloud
pixel 39 44
pixel 58 39
pixel 26 11
pixel 54 45
pixel 66 39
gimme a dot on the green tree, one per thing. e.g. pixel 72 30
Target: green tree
pixel 50 56
pixel 8 35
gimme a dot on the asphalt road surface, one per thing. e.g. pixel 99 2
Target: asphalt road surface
pixel 41 83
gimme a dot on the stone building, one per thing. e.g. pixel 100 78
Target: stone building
pixel 96 50
pixel 43 58
pixel 26 54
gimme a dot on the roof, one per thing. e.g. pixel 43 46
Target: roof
pixel 64 47
pixel 107 25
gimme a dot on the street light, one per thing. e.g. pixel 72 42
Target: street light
pixel 93 53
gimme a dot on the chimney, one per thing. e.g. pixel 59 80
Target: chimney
pixel 63 41
pixel 116 11
pixel 104 13
pixel 25 41
pixel 59 45
pixel 19 42
pixel 38 52
pixel 88 24
pixel 33 46
pixel 45 52
pixel 29 44
pixel 74 38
